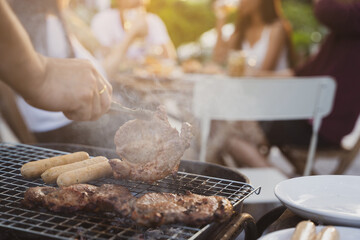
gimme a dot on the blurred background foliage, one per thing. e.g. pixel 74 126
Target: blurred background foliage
pixel 307 31
pixel 186 20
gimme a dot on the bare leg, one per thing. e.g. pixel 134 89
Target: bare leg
pixel 246 154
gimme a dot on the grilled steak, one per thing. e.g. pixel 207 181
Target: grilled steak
pixel 154 209
pixel 35 196
pixel 70 199
pixel 110 198
pixel 150 150
pixel 81 197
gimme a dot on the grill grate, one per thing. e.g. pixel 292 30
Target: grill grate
pixel 94 226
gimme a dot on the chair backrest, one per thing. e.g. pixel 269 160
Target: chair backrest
pixel 224 98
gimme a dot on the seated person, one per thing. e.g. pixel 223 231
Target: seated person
pixel 119 29
pixel 260 31
pixel 338 57
pixel 264 36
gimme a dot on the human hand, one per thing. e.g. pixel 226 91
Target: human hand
pixel 223 8
pixel 220 13
pixel 72 86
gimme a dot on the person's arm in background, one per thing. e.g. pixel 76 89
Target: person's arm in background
pixel 282 73
pixel 68 85
pixel 160 37
pixel 221 47
pixel 341 16
pixel 169 50
pixel 117 54
pixel 141 29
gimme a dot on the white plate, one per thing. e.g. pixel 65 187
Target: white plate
pixel 346 233
pixel 326 199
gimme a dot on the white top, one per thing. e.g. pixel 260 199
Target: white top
pixel 256 53
pixel 38 120
pixel 107 28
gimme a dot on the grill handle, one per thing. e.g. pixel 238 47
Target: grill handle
pixel 243 221
pixel 268 219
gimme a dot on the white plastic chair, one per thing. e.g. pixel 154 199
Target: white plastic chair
pixel 225 98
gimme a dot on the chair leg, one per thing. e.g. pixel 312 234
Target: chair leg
pixel 298 164
pixel 311 153
pixel 347 160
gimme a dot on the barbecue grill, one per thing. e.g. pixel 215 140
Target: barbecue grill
pixel 14 217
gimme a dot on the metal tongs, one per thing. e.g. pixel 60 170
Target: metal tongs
pixel 138 113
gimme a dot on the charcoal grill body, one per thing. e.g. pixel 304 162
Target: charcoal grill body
pixel 201 178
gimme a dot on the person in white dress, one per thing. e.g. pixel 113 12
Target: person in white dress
pixel 129 32
pixel 264 36
pixel 261 32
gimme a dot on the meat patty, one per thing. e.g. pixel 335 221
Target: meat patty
pixel 150 150
pixel 154 209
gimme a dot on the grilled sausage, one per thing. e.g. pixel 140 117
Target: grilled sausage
pixel 36 168
pixel 85 174
pixel 305 230
pixel 50 175
pixel 328 233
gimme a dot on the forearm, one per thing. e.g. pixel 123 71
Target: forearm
pixel 116 56
pixel 220 48
pixel 220 22
pixel 20 66
pixel 263 73
pixel 169 51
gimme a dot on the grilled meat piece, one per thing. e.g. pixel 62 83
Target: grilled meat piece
pixel 150 150
pixel 69 199
pixel 154 209
pixel 34 196
pixel 106 198
pixel 111 197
